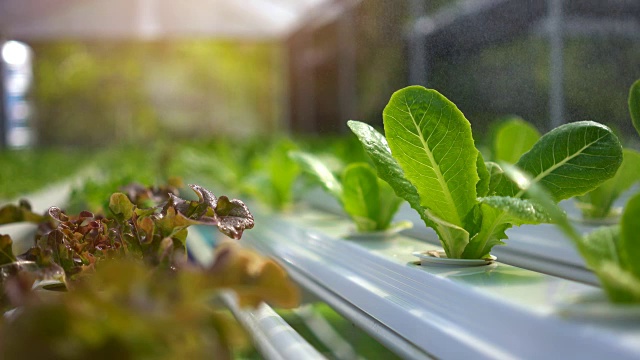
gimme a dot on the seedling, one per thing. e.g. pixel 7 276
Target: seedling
pixel 273 175
pixel 598 204
pixel 259 169
pixel 429 158
pixel 369 201
pixel 611 252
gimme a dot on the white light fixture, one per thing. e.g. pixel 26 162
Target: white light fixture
pixel 15 53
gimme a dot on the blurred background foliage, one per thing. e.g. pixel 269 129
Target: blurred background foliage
pixel 25 171
pixel 95 94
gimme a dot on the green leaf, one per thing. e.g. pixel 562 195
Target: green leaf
pixel 482 187
pixel 312 165
pixel 570 160
pixel 496 176
pixel 491 233
pixel 630 236
pixel 369 201
pixel 389 205
pixel 601 245
pixel 431 140
pixel 283 172
pixel 361 196
pixel 121 206
pixel 612 253
pixel 273 175
pixel 634 104
pixel 513 138
pixel 172 222
pixel 453 238
pixel 620 285
pixel 541 196
pixel 518 211
pixel 598 203
pixel 499 213
pixel 538 193
pixel 375 145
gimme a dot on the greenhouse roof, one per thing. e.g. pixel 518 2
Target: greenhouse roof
pixel 151 19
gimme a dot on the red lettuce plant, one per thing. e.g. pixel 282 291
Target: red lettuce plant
pixel 156 234
pixel 133 293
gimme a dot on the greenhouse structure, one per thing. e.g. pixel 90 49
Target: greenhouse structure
pixel 320 179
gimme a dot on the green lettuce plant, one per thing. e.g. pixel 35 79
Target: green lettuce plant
pixel 611 252
pixel 273 175
pixel 598 204
pixel 513 138
pixel 369 201
pixel 429 158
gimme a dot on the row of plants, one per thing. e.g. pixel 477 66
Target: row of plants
pixel 126 286
pixel 79 264
pixel 27 170
pixel 429 159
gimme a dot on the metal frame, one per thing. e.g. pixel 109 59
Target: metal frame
pixel 458 27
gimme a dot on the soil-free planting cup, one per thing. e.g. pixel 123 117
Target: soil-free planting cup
pixel 439 258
